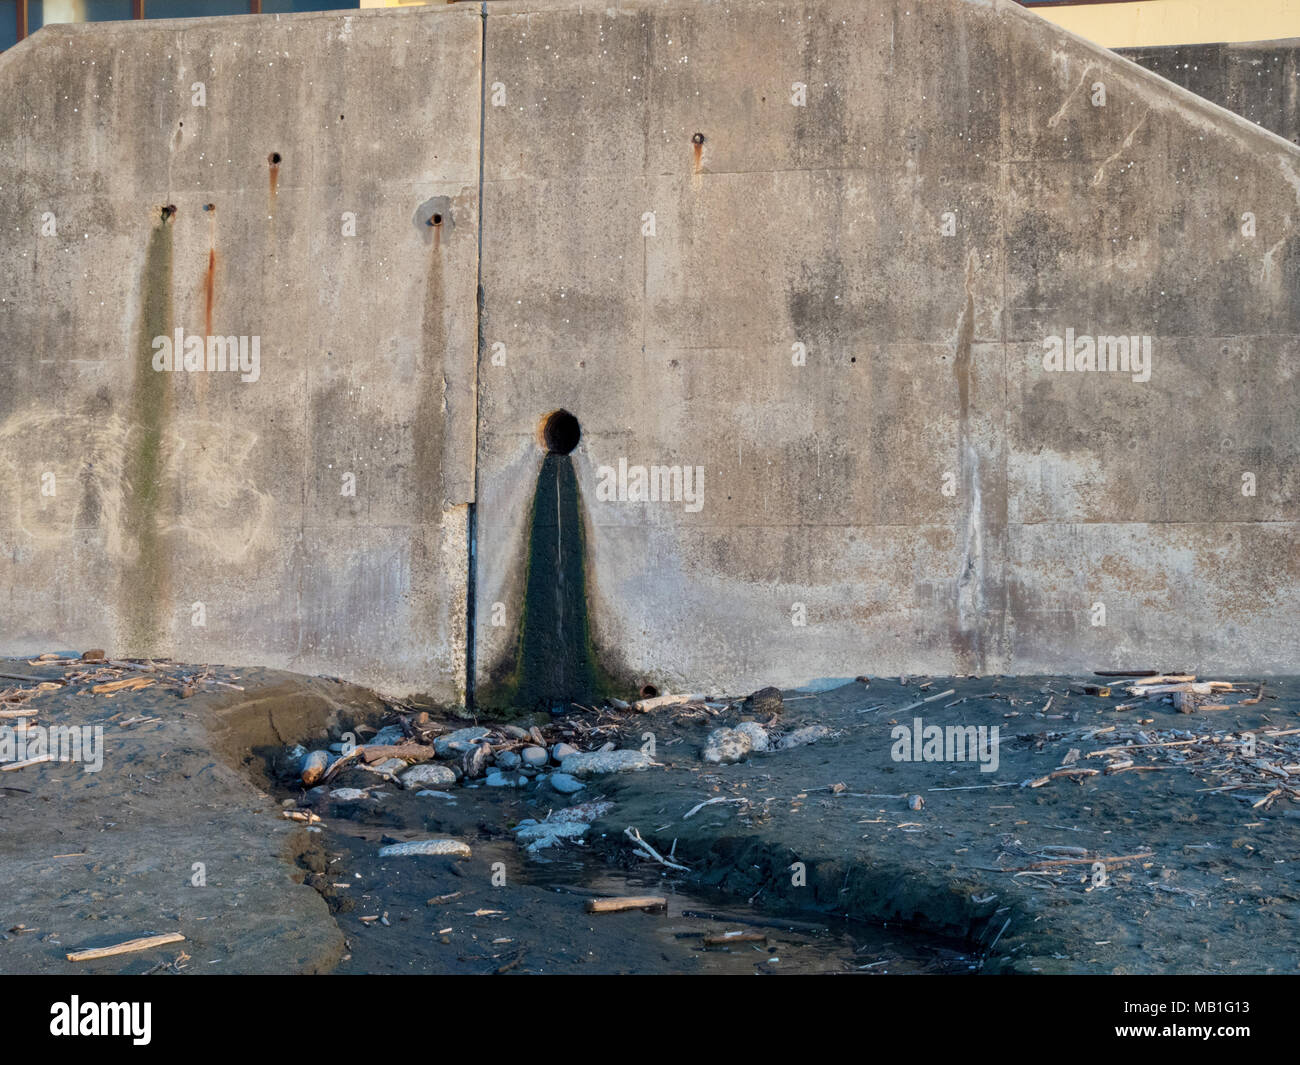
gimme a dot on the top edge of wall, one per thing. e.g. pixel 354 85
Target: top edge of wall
pixel 56 30
pixel 58 33
pixel 1164 91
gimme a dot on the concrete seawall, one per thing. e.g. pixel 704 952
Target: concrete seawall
pixel 801 264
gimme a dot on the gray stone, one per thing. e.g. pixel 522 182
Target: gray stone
pixel 461 738
pixel 534 756
pixel 564 783
pixel 561 751
pixel 727 745
pixel 349 794
pixel 428 775
pixel 508 760
pixel 427 794
pixel 571 823
pixel 387 736
pixel 596 762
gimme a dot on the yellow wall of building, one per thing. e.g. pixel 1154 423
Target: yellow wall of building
pixel 1128 24
pixel 1161 22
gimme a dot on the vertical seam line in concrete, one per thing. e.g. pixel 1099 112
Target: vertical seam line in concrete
pixel 471 534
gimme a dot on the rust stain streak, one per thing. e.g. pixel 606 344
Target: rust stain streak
pixel 210 292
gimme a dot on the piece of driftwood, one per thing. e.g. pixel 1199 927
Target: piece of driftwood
pixel 345 760
pixel 10 766
pixel 125 684
pixel 644 706
pixel 129 947
pixel 314 767
pixel 928 699
pixel 734 937
pixel 646 851
pixel 32 680
pixel 410 752
pixel 627 902
pixel 1208 687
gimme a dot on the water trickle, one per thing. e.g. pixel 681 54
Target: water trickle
pixel 556 664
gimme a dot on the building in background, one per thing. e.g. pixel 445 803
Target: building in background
pixel 21 18
pixel 1240 54
pixel 1114 23
pixel 1124 24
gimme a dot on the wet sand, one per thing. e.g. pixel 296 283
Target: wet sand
pixel 839 878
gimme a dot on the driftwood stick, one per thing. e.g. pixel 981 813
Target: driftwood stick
pixel 9 766
pixel 1056 862
pixel 410 752
pixel 628 902
pixel 647 851
pixel 130 946
pixel 32 680
pixel 143 667
pixel 734 937
pixel 644 706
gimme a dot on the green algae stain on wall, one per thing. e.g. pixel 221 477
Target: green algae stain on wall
pixel 555 662
pixel 146 579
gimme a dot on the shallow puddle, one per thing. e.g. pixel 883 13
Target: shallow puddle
pixel 505 911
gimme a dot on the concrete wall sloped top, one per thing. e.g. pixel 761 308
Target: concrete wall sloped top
pixel 819 254
pixel 806 271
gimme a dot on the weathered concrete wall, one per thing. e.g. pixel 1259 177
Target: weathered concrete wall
pixel 1259 81
pixel 128 496
pixel 835 306
pixel 920 494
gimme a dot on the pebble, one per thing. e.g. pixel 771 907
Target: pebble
pixel 436 795
pixel 428 775
pixel 497 779
pixel 508 760
pixel 515 732
pixel 388 767
pixel 727 745
pixel 565 784
pixel 387 736
pixel 571 823
pixel 462 738
pixel 349 794
pixel 591 763
pixel 561 751
pixel 425 846
pixel 534 756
